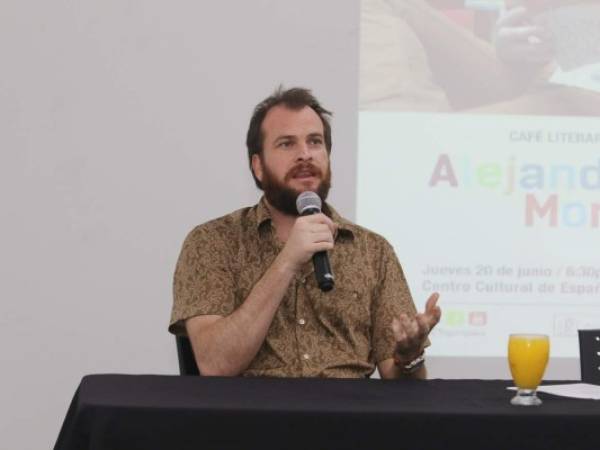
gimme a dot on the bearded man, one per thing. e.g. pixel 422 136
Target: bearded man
pixel 244 289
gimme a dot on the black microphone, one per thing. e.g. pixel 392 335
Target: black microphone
pixel 309 203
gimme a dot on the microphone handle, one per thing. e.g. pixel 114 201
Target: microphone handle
pixel 323 271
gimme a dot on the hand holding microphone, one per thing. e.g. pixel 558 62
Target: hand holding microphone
pixel 311 237
pixel 521 42
pixel 308 204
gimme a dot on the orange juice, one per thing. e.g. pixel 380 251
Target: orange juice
pixel 528 357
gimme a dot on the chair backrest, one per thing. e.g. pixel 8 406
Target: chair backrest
pixel 589 355
pixel 185 355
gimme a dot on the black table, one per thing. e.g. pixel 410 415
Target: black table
pixel 171 413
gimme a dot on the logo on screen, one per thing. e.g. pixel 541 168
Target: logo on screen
pixel 478 318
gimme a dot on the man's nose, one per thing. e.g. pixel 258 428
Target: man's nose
pixel 304 152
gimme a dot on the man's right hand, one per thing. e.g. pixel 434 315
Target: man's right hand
pixel 309 235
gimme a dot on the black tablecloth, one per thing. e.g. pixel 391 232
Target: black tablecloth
pixel 170 412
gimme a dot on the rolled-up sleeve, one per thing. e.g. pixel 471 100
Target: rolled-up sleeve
pixel 203 282
pixel 392 297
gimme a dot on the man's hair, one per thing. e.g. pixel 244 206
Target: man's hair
pixel 295 99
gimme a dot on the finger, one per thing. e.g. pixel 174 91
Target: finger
pixel 433 312
pixel 404 321
pixel 321 236
pixel 431 302
pixel 322 219
pixel 433 317
pixel 410 329
pixel 533 53
pixel 320 247
pixel 315 228
pixel 330 223
pixel 319 228
pixel 402 344
pixel 423 325
pixel 522 34
pixel 413 329
pixel 399 335
pixel 402 326
pixel 513 17
pixel 535 43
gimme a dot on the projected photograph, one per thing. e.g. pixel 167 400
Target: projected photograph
pixel 532 57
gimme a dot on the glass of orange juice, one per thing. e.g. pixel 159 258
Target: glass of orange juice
pixel 527 356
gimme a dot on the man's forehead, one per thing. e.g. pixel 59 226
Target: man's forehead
pixel 281 120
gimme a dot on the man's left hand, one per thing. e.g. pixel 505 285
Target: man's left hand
pixel 411 332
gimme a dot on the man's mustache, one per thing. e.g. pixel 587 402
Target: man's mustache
pixel 304 167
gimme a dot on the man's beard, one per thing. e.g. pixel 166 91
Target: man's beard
pixel 282 197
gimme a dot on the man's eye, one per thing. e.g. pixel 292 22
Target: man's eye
pixel 285 144
pixel 316 141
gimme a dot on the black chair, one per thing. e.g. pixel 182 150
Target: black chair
pixel 185 355
pixel 589 355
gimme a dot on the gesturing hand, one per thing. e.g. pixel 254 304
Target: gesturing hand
pixel 411 332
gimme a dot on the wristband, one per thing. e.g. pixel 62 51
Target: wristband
pixel 414 365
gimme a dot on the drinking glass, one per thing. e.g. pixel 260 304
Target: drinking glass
pixel 527 357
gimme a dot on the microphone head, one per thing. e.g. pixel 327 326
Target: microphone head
pixel 308 200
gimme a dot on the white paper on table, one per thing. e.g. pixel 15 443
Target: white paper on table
pixel 573 390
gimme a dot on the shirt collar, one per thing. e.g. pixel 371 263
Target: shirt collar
pixel 344 226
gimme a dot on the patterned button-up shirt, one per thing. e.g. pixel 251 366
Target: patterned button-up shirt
pixel 341 333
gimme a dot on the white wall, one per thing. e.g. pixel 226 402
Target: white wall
pixel 122 125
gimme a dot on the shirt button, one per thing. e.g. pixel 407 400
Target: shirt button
pixel 301 321
pixel 306 356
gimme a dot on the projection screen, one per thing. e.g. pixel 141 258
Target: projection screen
pixel 479 159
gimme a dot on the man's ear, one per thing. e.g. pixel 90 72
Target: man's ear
pixel 257 167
